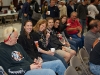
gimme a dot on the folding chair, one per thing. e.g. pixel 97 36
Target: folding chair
pixel 76 63
pixel 84 57
pixel 70 71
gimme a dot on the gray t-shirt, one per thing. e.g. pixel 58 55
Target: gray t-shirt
pixel 89 39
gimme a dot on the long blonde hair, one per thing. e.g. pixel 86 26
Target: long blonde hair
pixel 37 26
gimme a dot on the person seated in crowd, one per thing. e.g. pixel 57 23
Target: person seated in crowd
pixel 75 29
pixel 92 35
pixel 95 60
pixel 39 34
pixel 15 60
pixel 53 10
pixel 62 27
pixel 54 42
pixel 60 34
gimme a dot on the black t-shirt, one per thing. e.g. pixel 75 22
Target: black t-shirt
pixel 95 55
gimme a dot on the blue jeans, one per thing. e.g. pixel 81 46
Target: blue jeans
pixel 55 65
pixel 40 72
pixel 95 69
pixel 73 43
pixel 46 57
pixel 83 23
pixel 80 41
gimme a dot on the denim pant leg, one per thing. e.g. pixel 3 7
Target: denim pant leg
pixel 82 39
pixel 62 59
pixel 74 43
pixel 77 39
pixel 40 72
pixel 46 57
pixel 55 65
pixel 95 69
pixel 72 47
pixel 83 23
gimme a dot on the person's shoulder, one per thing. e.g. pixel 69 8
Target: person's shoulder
pixel 2 46
pixel 18 45
pixel 69 20
pixel 22 36
pixel 34 32
pixel 89 34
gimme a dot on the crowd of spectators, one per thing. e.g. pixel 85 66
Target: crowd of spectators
pixel 65 27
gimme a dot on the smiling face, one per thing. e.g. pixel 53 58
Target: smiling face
pixel 28 27
pixel 64 19
pixel 42 27
pixel 73 15
pixel 56 24
pixel 50 23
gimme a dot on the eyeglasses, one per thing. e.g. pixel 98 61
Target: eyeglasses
pixel 9 36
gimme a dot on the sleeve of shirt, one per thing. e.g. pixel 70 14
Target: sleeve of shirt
pixel 26 55
pixel 96 10
pixel 68 22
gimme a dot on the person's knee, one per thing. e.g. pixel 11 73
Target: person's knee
pixel 50 72
pixel 73 52
pixel 58 62
pixel 67 55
